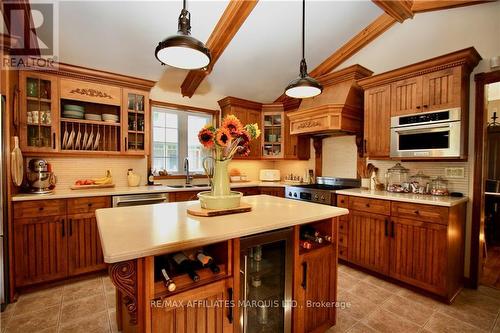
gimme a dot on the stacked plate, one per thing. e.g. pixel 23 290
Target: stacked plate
pixel 73 111
pixel 90 116
pixel 110 118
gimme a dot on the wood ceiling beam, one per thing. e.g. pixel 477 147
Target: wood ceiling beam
pixel 230 22
pixel 400 10
pixel 420 6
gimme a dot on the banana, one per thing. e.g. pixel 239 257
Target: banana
pixel 108 179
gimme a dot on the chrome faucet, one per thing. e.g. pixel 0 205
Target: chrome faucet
pixel 186 168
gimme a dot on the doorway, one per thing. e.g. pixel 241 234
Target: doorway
pixel 485 241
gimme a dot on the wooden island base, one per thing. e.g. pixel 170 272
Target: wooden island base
pixel 144 305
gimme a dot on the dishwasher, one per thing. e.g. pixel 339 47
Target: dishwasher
pixel 139 199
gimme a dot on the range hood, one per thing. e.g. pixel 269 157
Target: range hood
pixel 338 110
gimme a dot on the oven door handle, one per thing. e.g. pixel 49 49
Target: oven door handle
pixel 423 129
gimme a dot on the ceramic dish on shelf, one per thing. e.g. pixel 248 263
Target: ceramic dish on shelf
pixel 72 107
pixel 65 139
pixel 73 114
pixel 97 138
pixel 78 140
pixel 70 143
pixel 85 138
pixel 89 141
pixel 110 118
pixel 95 117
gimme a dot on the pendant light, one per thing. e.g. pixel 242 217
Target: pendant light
pixel 182 50
pixel 304 86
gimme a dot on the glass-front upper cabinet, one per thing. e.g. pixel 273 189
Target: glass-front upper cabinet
pixel 39 116
pixel 135 122
pixel 272 138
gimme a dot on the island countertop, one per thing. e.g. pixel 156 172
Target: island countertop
pixel 134 232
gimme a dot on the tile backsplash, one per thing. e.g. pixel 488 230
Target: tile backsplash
pixel 432 169
pixel 67 170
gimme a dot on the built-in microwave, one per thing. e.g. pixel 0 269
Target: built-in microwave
pixel 428 134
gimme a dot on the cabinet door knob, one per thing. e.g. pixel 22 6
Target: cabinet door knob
pixel 417 212
pixel 368 205
pixel 304 275
pixel 418 107
pixel 40 208
pixel 425 106
pixel 89 204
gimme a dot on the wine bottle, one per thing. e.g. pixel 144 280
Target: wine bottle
pixel 207 261
pixel 327 238
pixel 169 283
pixel 185 265
pixel 305 244
pixel 151 177
pixel 309 233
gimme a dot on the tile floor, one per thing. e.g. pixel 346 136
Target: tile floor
pixel 88 306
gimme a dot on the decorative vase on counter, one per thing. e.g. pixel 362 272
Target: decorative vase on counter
pixel 223 143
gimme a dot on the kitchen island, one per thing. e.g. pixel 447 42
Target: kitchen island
pixel 135 240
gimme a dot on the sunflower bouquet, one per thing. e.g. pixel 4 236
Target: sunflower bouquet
pixel 229 139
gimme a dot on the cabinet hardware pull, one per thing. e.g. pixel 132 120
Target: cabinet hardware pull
pixel 71 227
pixel 425 106
pixel 89 204
pixel 417 212
pixel 230 310
pixel 304 275
pixel 368 205
pixel 418 107
pixel 392 229
pixel 53 140
pixel 386 228
pixel 126 146
pixel 63 231
pixel 294 150
pixel 40 208
pixel 364 146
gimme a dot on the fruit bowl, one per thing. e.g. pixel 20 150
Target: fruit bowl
pixel 209 201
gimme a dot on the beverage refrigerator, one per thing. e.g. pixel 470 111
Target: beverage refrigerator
pixel 3 206
pixel 266 282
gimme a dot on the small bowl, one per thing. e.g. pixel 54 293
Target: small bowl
pixel 208 201
pixel 235 178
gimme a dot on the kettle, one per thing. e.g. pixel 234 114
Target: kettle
pixel 133 178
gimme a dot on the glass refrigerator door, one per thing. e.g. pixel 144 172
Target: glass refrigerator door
pixel 266 285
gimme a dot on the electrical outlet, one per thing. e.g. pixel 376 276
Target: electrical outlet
pixel 454 172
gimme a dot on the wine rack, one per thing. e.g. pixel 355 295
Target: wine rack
pixel 325 228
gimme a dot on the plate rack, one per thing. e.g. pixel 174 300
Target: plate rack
pixel 93 136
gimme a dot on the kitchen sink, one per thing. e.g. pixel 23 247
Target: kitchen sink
pixel 188 186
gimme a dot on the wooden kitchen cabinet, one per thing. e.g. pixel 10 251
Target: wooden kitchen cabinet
pixel 297 147
pixel 316 284
pixel 135 119
pixel 39 114
pixel 418 253
pixel 40 249
pixel 406 97
pixel 368 241
pixel 274 191
pixel 183 196
pixel 178 316
pixel 377 124
pixel 84 245
pixel 442 89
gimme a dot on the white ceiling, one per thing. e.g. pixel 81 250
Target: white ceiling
pixel 120 36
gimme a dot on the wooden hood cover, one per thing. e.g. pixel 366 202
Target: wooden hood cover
pixel 338 110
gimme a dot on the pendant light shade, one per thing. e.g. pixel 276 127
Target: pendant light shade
pixel 304 86
pixel 182 50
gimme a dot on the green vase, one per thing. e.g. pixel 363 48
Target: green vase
pixel 220 180
pixel 220 196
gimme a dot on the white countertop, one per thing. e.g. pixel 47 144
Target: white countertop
pixel 134 232
pixel 64 193
pixel 445 201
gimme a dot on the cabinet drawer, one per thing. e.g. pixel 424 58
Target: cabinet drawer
pixel 344 226
pixel 343 201
pixel 427 213
pixel 343 240
pixel 370 205
pixel 37 208
pixel 87 205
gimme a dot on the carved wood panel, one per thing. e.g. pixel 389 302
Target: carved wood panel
pixel 124 277
pixel 90 92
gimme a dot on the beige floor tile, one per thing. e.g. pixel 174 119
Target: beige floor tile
pixel 479 300
pixel 108 285
pixel 492 292
pixel 370 292
pixel 412 311
pixel 37 321
pixel 95 323
pixel 111 300
pixel 496 329
pixel 112 321
pixel 346 281
pixel 38 301
pixel 82 307
pixel 385 321
pixel 441 323
pixel 82 289
pixel 344 322
pixel 424 300
pixel 361 328
pixel 469 313
pixel 354 273
pixel 390 287
pixel 359 307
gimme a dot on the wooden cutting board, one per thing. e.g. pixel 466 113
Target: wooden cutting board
pixel 196 210
pixel 86 187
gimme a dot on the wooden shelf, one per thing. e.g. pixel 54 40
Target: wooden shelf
pixel 134 111
pixel 183 282
pixel 315 247
pixel 41 125
pixel 136 132
pixel 89 122
pixel 36 99
pixel 272 143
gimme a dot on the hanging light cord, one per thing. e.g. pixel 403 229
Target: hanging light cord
pixel 184 20
pixel 303 65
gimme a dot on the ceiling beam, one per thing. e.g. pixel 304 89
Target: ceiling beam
pixel 400 10
pixel 420 6
pixel 230 22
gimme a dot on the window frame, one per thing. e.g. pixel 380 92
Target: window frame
pixel 182 108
